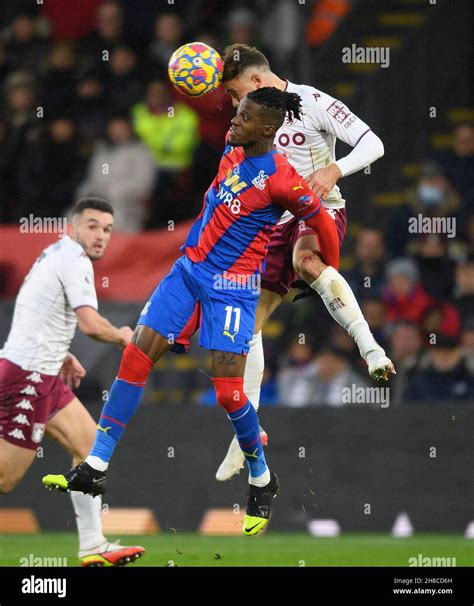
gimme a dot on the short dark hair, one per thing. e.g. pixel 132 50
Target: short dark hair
pixel 277 104
pixel 92 202
pixel 238 57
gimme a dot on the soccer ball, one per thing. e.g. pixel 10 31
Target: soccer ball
pixel 195 69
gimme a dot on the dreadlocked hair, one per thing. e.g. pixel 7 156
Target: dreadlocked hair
pixel 278 103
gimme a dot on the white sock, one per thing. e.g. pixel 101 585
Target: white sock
pixel 88 511
pixel 254 367
pixel 96 463
pixel 341 303
pixel 260 480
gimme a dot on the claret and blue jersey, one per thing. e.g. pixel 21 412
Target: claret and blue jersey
pixel 225 250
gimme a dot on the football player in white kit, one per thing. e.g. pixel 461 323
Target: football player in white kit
pixel 37 372
pixel 309 145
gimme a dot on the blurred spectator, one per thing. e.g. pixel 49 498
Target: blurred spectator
pixel 109 33
pixel 340 339
pixel 25 47
pixel 435 267
pixel 448 374
pixel 467 235
pixel 294 380
pixel 125 84
pixel 458 163
pixel 464 291
pixel 10 10
pixel 70 24
pixel 3 69
pixel 325 19
pixel 170 131
pixel 405 350
pixel 404 296
pixel 129 178
pixel 374 312
pixel 90 106
pixel 333 375
pixel 281 31
pixel 367 275
pixel 405 345
pixel 433 196
pixel 316 381
pixel 19 124
pixel 242 25
pixel 467 339
pixel 59 80
pixel 440 318
pixel 49 171
pixel 167 37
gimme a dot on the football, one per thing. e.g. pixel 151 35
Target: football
pixel 195 69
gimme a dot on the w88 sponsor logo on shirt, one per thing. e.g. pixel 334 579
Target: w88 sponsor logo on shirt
pixel 234 204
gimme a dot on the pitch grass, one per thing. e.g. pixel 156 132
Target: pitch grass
pixel 273 549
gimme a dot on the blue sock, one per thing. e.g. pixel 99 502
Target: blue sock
pixel 124 399
pixel 247 430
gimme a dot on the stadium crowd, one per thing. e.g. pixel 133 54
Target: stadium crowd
pixel 85 98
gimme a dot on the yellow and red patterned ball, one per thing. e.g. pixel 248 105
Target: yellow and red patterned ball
pixel 195 69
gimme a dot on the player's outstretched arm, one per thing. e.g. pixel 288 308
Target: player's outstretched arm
pixel 332 116
pixel 92 324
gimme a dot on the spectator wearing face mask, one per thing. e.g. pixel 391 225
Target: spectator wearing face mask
pixel 432 196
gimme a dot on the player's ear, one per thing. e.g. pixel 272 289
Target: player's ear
pixel 269 130
pixel 256 80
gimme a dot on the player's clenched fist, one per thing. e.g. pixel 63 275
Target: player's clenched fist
pixel 324 179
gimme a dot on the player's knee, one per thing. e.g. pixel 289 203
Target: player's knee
pixel 7 483
pixel 135 365
pixel 308 264
pixel 230 393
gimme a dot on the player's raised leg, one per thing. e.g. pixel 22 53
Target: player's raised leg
pixel 227 371
pixel 341 303
pixel 74 429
